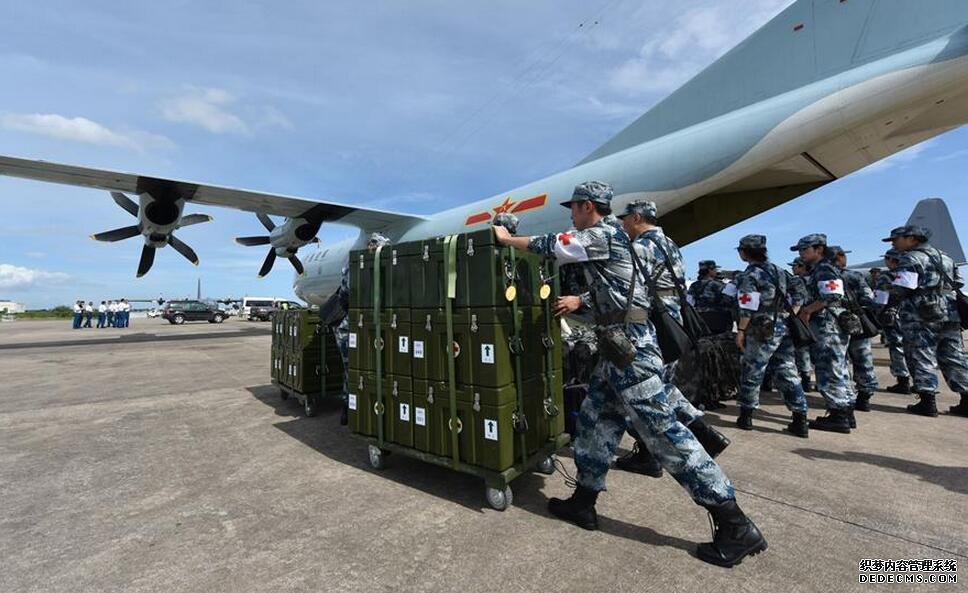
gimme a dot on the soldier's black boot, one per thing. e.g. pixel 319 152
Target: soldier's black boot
pixel 640 461
pixel 863 403
pixel 851 420
pixel 735 537
pixel 834 421
pixel 713 441
pixel 578 509
pixel 903 386
pixel 807 382
pixel 745 420
pixel 927 405
pixel 798 426
pixel 344 414
pixel 962 408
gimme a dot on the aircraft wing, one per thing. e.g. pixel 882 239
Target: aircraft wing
pixel 251 201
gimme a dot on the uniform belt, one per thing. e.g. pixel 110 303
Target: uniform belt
pixel 637 315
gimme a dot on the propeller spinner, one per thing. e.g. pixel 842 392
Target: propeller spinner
pixel 157 220
pixel 284 241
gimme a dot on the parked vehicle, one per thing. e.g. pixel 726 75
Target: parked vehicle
pixel 261 309
pixel 178 312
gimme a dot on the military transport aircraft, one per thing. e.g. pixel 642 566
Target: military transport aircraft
pixel 824 89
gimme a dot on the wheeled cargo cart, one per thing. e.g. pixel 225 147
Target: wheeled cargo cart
pixel 305 364
pixel 474 384
pixel 497 485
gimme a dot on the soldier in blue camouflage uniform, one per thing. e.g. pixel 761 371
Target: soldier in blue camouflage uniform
pixel 829 352
pixel 798 286
pixel 859 351
pixel 639 221
pixel 629 390
pixel 706 295
pixel 764 296
pixel 893 339
pixel 923 300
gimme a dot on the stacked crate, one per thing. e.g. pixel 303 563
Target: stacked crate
pixel 304 356
pixel 506 349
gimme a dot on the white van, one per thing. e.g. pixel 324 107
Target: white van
pixel 249 302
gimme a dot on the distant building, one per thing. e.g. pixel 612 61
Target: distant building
pixel 11 307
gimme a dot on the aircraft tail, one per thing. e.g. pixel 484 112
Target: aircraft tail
pixel 933 214
pixel 810 40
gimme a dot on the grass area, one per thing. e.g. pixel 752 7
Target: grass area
pixel 55 313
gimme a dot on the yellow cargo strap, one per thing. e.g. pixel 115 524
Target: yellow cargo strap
pixel 379 407
pixel 450 293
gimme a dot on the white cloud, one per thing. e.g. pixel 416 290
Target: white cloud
pixel 696 38
pixel 206 108
pixel 18 278
pixel 80 129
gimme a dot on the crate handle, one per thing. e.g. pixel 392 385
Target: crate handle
pixel 378 408
pixel 520 423
pixel 470 246
pixel 474 326
pixel 430 394
pixel 477 402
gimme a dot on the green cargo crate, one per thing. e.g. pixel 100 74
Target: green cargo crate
pixel 396 267
pixel 398 419
pixel 361 395
pixel 426 428
pixel 485 271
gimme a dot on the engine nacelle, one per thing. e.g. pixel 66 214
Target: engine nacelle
pixel 158 219
pixel 287 238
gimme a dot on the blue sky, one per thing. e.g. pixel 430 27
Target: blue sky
pixel 412 106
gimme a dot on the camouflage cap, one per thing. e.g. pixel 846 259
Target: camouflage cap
pixel 752 242
pixel 895 233
pixel 797 261
pixel 909 230
pixel 708 264
pixel 809 241
pixel 378 239
pixel 875 269
pixel 835 250
pixel 892 254
pixel 597 192
pixel 644 208
pixel 508 221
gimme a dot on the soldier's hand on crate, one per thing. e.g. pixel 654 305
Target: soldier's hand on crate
pixel 567 305
pixel 501 234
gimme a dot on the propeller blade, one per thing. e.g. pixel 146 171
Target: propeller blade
pixel 297 264
pixel 186 251
pixel 267 264
pixel 125 202
pixel 194 219
pixel 147 258
pixel 266 221
pixel 117 234
pixel 252 241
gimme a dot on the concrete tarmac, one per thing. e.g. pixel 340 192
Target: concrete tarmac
pixel 160 458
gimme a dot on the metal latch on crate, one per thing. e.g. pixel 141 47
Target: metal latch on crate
pixel 362 262
pixel 515 345
pixel 395 392
pixel 393 321
pixel 477 402
pixel 550 408
pixel 428 326
pixel 430 394
pixel 393 257
pixel 548 341
pixel 470 246
pixel 520 423
pixel 474 326
pixel 426 252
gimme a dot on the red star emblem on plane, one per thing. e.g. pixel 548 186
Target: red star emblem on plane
pixel 505 206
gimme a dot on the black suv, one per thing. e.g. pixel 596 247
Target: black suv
pixel 264 312
pixel 178 312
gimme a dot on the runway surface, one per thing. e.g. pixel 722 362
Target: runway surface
pixel 159 458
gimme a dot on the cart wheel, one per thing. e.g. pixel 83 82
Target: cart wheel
pixel 547 465
pixel 310 406
pixel 377 458
pixel 499 499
